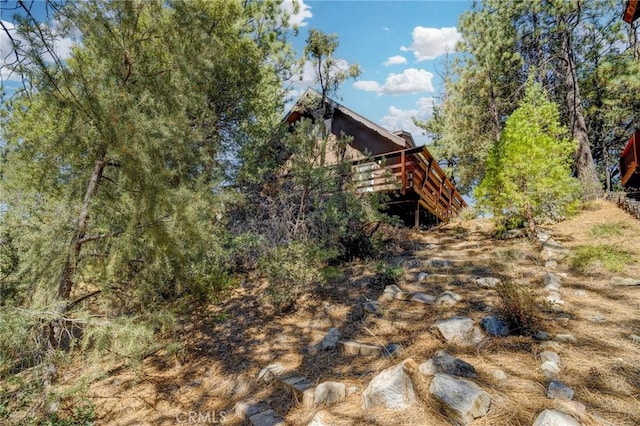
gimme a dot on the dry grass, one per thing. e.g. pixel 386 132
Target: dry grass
pixel 603 366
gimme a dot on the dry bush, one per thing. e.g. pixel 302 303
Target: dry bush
pixel 519 307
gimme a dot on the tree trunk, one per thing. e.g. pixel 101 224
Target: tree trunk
pixel 585 168
pixel 71 262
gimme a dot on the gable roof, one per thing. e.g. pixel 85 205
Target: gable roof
pixel 298 110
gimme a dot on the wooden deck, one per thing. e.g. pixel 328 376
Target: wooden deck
pixel 416 176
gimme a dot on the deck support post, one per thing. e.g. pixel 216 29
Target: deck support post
pixel 416 215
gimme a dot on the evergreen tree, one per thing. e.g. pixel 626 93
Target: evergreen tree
pixel 529 170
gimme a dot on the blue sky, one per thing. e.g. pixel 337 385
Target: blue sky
pixel 400 45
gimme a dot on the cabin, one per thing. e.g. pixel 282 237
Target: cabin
pixel 388 162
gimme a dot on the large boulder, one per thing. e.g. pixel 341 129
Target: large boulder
pixel 461 400
pixel 392 388
pixel 461 330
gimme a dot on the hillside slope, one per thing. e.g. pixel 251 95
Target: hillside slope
pixel 590 320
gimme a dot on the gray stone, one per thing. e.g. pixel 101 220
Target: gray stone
pixel 634 338
pixel 543 335
pixel 551 280
pixel 487 282
pixel 551 264
pixel 445 363
pixel 331 339
pixel 327 393
pixel 598 319
pixel 499 374
pixel 422 276
pixel 428 368
pixel 555 298
pixel 448 298
pixel 550 356
pixel 555 418
pixel 581 293
pixel 566 338
pixel 404 295
pixel 494 326
pixel 625 281
pixel 562 320
pixel 352 347
pixel 550 370
pixel 267 418
pixel 392 388
pixel 440 263
pixel 427 299
pixel 297 384
pixel 558 389
pixel 392 349
pixel 552 250
pixel 461 330
pixel 462 400
pixel 542 235
pixel 270 372
pixel 245 409
pixel 391 291
pixel 371 307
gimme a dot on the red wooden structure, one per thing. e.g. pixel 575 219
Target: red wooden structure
pixel 630 164
pixel 631 11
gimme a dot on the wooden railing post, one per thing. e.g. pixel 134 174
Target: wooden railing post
pixel 403 172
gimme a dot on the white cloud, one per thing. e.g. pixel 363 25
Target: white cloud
pixel 367 85
pixel 410 81
pixel 402 119
pixel 296 18
pixel 429 43
pixel 61 47
pixel 395 60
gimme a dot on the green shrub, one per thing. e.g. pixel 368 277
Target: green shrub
pixel 290 270
pixel 609 257
pixel 518 307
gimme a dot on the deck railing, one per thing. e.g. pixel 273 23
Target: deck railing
pixel 411 170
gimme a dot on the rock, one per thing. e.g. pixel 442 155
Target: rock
pixel 390 292
pixel 554 297
pixel 440 263
pixel 447 364
pixel 581 293
pixel 499 374
pixel 404 295
pixel 422 276
pixel 462 400
pixel 297 385
pixel 542 235
pixel 573 408
pixel 267 418
pixel 244 410
pixel 323 418
pixel 327 393
pixel 270 372
pixel 371 307
pixel 551 264
pixel 412 263
pixel 460 330
pixel 550 356
pixel 551 280
pixel 352 390
pixel 392 388
pixel 515 233
pixel 555 418
pixel 567 338
pixel 352 347
pixel 625 281
pixel 550 370
pixel 634 338
pixel 543 335
pixel 558 389
pixel 562 320
pixel 494 326
pixel 487 282
pixel 598 319
pixel 427 299
pixel 448 298
pixel 391 349
pixel 331 339
pixel 553 250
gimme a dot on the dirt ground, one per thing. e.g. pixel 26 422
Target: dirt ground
pixel 226 355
